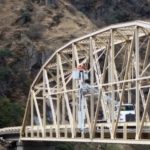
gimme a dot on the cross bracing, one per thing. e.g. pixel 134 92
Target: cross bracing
pixel 118 68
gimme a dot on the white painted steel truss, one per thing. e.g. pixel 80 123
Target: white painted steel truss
pixel 118 59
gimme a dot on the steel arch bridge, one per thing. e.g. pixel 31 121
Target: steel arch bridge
pixel 118 73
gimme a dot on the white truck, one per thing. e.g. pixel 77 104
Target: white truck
pixel 127 112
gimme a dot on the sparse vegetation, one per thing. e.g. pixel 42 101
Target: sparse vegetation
pixel 35 31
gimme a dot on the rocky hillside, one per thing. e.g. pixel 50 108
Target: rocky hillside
pixel 29 33
pixel 103 12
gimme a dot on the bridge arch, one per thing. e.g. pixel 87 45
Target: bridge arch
pixel 118 67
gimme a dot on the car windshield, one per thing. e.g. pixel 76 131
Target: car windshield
pixel 127 108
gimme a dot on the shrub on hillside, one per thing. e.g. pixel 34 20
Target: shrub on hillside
pixel 5 53
pixel 35 31
pixel 10 113
pixel 5 72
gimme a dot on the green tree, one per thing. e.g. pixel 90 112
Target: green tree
pixel 10 113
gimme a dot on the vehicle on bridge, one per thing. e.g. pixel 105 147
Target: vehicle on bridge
pixel 127 112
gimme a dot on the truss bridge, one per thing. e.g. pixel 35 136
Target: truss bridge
pixel 96 88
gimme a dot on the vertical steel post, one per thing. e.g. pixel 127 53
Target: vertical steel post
pixel 137 82
pixel 112 80
pixel 44 103
pixel 129 77
pixel 58 98
pixel 32 115
pixel 73 94
pixel 91 81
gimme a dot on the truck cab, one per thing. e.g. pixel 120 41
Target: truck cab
pixel 127 112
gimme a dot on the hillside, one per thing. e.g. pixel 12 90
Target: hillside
pixel 104 12
pixel 30 32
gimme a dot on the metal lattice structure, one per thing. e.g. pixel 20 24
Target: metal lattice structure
pixel 118 66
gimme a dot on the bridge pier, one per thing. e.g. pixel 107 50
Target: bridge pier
pixel 34 145
pixel 19 146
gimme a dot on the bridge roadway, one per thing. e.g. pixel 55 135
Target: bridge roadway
pixel 12 134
